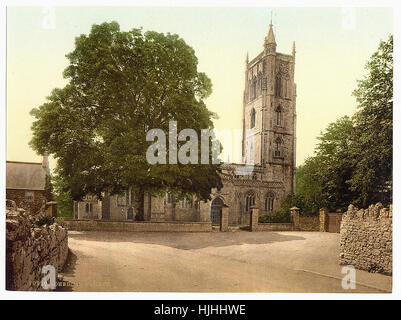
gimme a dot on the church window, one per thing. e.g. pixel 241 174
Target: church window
pixel 88 207
pixel 278 148
pixel 254 89
pixel 122 199
pixel 278 87
pixel 253 118
pixel 186 203
pixel 169 197
pixel 284 89
pixel 269 201
pixel 278 116
pixel 249 202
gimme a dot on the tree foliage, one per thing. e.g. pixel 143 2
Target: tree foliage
pixel 372 153
pixel 353 160
pixel 62 195
pixel 121 84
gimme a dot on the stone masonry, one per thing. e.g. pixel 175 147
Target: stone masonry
pixel 29 248
pixel 366 238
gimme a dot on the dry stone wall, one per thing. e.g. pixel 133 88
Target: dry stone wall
pixel 309 223
pixel 366 238
pixel 29 248
pixel 138 226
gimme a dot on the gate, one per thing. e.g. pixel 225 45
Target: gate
pixel 215 214
pixel 334 222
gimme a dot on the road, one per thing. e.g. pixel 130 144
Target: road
pixel 211 262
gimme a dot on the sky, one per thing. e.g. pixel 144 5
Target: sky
pixel 332 45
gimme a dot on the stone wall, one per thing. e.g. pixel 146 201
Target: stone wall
pixel 29 248
pixel 366 238
pixel 33 206
pixel 309 223
pixel 137 226
pixel 275 227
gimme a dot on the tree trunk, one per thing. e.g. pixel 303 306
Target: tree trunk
pixel 139 200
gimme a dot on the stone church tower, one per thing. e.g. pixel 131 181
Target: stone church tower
pixel 269 116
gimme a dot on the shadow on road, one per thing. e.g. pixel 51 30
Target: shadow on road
pixel 185 240
pixel 69 270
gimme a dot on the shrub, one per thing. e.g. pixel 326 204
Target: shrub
pixel 279 216
pixel 42 220
pixel 60 222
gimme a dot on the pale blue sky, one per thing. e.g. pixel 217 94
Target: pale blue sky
pixel 332 48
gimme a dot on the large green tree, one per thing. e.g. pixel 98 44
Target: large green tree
pixel 353 160
pixel 122 84
pixel 372 152
pixel 322 180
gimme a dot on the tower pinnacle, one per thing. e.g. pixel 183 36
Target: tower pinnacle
pixel 270 35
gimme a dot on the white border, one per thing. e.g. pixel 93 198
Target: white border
pixel 396 5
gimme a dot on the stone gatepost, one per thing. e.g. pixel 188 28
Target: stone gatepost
pixel 254 219
pixel 224 218
pixel 295 217
pixel 51 209
pixel 323 218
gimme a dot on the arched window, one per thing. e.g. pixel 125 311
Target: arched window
pixel 278 86
pixel 278 147
pixel 186 203
pixel 278 116
pixel 253 118
pixel 254 88
pixel 260 85
pixel 269 202
pixel 249 202
pixel 88 207
pixel 169 197
pixel 122 199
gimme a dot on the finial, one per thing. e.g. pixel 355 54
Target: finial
pixel 293 48
pixel 247 57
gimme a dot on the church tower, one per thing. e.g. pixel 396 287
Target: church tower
pixel 269 114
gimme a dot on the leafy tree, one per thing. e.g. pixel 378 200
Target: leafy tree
pixel 309 186
pixel 333 156
pixel 63 197
pixel 372 150
pixel 353 160
pixel 322 180
pixel 121 84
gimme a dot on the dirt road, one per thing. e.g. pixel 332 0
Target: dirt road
pixel 211 262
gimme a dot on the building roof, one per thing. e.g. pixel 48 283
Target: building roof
pixel 26 175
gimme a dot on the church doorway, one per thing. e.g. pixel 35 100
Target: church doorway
pixel 216 208
pixel 130 213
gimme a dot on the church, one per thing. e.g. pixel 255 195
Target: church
pixel 268 149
